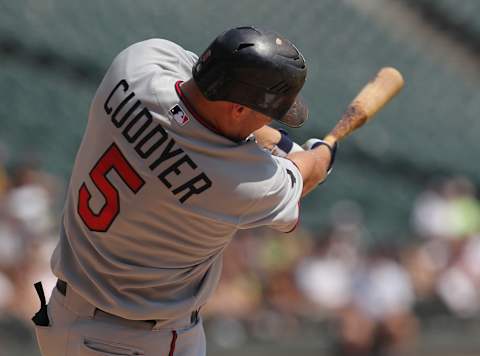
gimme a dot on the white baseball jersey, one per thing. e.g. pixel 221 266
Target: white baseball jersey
pixel 156 195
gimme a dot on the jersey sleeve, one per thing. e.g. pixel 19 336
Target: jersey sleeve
pixel 277 205
pixel 193 56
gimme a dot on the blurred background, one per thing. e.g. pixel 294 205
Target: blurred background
pixel 386 260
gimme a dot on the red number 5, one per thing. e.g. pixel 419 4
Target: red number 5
pixel 111 159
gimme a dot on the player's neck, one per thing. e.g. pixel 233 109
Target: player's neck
pixel 213 112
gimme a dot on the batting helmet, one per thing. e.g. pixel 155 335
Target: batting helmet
pixel 256 68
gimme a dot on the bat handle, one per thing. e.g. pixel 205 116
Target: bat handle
pixel 330 139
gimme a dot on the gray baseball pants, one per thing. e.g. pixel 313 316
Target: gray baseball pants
pixel 77 328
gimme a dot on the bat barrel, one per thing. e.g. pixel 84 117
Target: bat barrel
pixel 373 97
pixel 378 92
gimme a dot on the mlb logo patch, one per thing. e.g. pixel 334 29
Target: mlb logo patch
pixel 178 115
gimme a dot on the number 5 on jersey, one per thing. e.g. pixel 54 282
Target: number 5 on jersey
pixel 111 159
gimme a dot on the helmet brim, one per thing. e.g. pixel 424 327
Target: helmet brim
pixel 297 114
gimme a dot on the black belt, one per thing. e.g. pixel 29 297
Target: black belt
pixel 62 288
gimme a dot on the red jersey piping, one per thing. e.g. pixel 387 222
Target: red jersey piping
pixel 297 223
pixel 173 342
pixel 195 114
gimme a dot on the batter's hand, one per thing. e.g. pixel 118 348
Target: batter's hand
pixel 267 137
pixel 276 141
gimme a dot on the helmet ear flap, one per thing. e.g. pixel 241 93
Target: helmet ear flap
pixel 253 67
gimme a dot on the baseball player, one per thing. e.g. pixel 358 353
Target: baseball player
pixel 168 170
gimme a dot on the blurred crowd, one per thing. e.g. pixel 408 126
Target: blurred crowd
pixel 361 297
pixel 29 210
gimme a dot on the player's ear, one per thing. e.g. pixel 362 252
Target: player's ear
pixel 237 110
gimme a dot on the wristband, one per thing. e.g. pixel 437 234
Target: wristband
pixel 285 146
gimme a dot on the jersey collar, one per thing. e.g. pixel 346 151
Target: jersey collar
pixel 190 108
pixel 198 117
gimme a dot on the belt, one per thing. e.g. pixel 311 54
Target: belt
pixel 62 288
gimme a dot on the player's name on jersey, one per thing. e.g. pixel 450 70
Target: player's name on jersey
pixel 152 143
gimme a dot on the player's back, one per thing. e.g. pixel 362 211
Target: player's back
pixel 155 196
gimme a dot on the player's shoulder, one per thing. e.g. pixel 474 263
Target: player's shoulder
pixel 264 189
pixel 252 164
pixel 159 48
pixel 159 43
pixel 272 170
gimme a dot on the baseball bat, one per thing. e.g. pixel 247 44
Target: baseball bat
pixel 371 98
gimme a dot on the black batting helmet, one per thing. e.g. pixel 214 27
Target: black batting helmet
pixel 256 68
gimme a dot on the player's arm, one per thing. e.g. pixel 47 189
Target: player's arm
pixel 313 163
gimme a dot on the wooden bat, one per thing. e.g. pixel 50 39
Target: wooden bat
pixel 373 96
